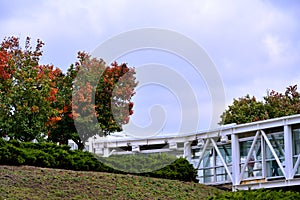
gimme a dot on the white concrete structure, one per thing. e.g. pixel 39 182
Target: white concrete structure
pixel 253 155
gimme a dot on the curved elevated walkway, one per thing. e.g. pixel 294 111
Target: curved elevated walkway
pixel 253 155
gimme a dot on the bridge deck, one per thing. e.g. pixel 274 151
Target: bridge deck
pixel 254 155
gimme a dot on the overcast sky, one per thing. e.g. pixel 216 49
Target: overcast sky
pixel 254 44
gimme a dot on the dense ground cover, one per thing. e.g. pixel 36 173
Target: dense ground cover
pixel 27 182
pixel 45 154
pixel 261 194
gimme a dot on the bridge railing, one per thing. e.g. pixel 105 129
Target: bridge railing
pixel 258 154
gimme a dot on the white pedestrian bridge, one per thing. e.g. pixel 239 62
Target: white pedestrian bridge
pixel 263 154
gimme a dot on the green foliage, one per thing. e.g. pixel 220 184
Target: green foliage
pixel 65 128
pixel 138 163
pixel 44 154
pixel 162 165
pixel 243 110
pixel 26 182
pixel 248 109
pixel 101 96
pixel 278 104
pixel 261 194
pixel 39 101
pixel 180 169
pixel 90 94
pixel 27 91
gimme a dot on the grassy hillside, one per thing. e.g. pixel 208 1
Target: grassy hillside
pixel 26 182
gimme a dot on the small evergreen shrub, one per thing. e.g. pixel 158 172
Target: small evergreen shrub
pixel 261 194
pixel 50 155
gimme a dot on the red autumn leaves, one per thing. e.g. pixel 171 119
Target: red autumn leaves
pixel 5 73
pixel 34 98
pixel 103 92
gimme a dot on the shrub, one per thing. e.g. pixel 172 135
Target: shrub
pixel 161 165
pixel 262 194
pixel 180 169
pixel 46 154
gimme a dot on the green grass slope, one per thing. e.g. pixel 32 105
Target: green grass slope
pixel 26 182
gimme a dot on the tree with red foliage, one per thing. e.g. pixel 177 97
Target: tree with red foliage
pixel 28 91
pixel 101 100
pixel 113 95
pixel 65 128
pixel 36 100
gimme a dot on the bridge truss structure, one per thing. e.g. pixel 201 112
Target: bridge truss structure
pixel 263 154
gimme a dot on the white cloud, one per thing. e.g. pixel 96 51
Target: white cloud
pixel 274 46
pixel 254 43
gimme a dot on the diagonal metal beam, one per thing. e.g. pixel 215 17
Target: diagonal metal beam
pixel 221 157
pixel 202 153
pixel 273 152
pixel 249 155
pixel 278 145
pixel 296 166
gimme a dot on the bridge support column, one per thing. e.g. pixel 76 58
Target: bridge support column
pixel 288 152
pixel 187 152
pixel 235 146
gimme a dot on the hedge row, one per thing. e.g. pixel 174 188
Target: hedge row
pixel 45 154
pixel 261 194
pixel 139 163
pixel 162 165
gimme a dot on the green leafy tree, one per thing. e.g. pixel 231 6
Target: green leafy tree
pixel 278 104
pixel 65 128
pixel 36 100
pixel 112 86
pixel 113 95
pixel 28 91
pixel 245 109
pixel 248 109
pixel 5 84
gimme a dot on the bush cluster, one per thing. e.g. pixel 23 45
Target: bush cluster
pixel 180 169
pixel 45 154
pixel 262 194
pixel 159 165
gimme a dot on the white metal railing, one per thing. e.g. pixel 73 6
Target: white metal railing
pixel 232 136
